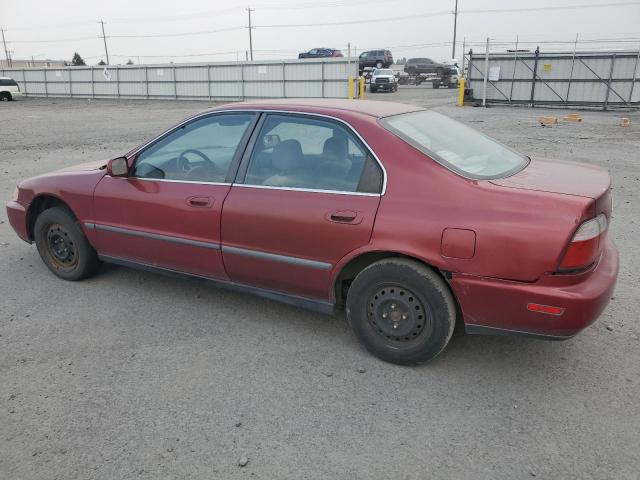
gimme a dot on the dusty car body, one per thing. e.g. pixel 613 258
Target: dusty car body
pixel 334 203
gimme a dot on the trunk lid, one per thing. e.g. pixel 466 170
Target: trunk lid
pixel 556 176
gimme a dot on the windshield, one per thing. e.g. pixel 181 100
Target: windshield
pixel 383 71
pixel 454 145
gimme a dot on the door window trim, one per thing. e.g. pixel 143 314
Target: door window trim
pixel 244 165
pixel 247 148
pixel 233 165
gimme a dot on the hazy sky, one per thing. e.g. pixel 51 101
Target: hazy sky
pixel 54 29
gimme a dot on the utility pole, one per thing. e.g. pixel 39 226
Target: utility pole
pixel 6 52
pixel 249 9
pixel 455 25
pixel 104 38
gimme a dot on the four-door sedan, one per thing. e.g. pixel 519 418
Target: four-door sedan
pixel 408 219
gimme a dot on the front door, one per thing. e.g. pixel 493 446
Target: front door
pixel 167 212
pixel 306 195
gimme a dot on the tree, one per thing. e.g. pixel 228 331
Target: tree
pixel 101 62
pixel 129 62
pixel 401 61
pixel 77 60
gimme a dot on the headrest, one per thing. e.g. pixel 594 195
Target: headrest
pixel 335 148
pixel 287 155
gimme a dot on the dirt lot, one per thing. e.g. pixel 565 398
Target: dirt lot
pixel 134 375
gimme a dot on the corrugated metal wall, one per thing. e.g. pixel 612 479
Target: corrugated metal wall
pixel 603 79
pixel 214 81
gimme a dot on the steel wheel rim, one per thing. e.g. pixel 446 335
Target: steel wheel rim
pixel 398 315
pixel 61 248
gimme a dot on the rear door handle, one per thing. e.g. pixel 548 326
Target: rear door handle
pixel 200 202
pixel 351 217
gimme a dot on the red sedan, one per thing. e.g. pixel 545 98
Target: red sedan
pixel 408 219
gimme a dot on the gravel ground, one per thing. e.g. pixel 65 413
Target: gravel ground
pixel 134 375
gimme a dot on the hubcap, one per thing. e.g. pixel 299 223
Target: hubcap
pixel 61 248
pixel 397 314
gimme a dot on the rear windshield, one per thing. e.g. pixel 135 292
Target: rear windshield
pixel 8 82
pixel 456 146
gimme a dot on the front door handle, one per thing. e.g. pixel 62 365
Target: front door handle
pixel 200 202
pixel 351 217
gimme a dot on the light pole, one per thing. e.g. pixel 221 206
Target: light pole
pixel 104 38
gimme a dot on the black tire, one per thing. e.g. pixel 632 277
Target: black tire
pixel 373 89
pixel 401 311
pixel 412 71
pixel 379 64
pixel 62 245
pixel 5 97
pixel 436 84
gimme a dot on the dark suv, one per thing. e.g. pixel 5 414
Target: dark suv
pixel 376 58
pixel 415 66
pixel 320 53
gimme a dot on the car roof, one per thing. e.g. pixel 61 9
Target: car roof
pixel 371 108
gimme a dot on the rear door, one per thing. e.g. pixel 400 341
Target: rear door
pixel 307 194
pixel 167 212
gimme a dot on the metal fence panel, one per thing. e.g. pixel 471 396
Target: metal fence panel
pixel 216 81
pixel 603 79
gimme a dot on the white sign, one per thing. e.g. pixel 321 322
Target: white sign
pixel 494 73
pixel 106 74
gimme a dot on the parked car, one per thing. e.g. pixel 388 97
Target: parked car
pixel 320 53
pixel 408 219
pixel 375 58
pixel 9 89
pixel 415 66
pixel 383 79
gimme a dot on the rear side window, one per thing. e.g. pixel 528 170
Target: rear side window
pixel 311 153
pixel 456 146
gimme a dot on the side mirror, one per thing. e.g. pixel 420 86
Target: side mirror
pixel 118 167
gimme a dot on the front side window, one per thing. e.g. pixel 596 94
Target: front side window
pixel 456 146
pixel 310 153
pixel 199 151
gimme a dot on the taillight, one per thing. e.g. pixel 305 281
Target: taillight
pixel 585 244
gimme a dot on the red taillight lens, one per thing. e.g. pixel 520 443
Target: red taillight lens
pixel 585 244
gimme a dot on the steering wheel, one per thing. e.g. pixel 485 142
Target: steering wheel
pixel 186 166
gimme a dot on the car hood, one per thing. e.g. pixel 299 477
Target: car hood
pixel 555 176
pixel 83 167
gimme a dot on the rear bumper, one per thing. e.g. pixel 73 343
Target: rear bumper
pixel 500 306
pixel 17 214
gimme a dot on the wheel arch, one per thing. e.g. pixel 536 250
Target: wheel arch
pixel 351 269
pixel 39 204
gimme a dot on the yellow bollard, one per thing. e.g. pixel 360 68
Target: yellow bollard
pixel 361 88
pixel 351 90
pixel 461 94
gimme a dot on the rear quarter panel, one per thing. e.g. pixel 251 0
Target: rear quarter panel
pixel 520 234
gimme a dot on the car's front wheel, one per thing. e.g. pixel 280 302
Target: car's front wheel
pixel 5 97
pixel 62 245
pixel 401 310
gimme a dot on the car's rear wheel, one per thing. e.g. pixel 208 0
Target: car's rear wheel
pixel 62 245
pixel 401 311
